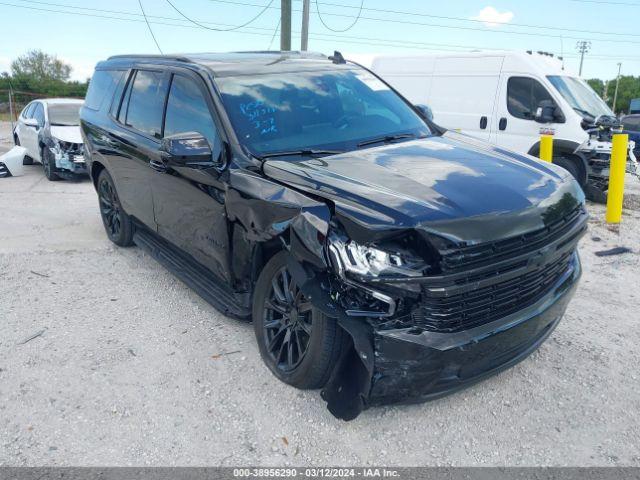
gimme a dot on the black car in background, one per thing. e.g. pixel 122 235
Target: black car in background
pixel 380 258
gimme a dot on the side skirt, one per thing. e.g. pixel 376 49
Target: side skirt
pixel 194 275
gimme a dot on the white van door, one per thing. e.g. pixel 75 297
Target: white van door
pixel 515 127
pixel 463 94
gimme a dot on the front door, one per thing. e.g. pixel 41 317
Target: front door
pixel 515 127
pixel 189 202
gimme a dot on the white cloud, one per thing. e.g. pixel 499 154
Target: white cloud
pixel 492 17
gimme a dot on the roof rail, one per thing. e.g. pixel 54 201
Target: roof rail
pixel 165 57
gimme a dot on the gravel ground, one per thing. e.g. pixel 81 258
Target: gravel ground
pixel 130 367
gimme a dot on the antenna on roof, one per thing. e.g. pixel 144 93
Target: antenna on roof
pixel 337 58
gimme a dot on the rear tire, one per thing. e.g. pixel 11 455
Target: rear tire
pixel 298 343
pixel 117 223
pixel 27 160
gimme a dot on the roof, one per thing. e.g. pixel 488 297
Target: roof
pixel 242 63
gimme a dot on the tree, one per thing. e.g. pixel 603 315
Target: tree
pixel 40 66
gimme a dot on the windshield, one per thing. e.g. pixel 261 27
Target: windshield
pixel 580 96
pixel 64 114
pixel 315 111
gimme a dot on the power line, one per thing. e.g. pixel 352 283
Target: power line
pixel 275 32
pixel 149 26
pixel 344 30
pixel 318 36
pixel 442 17
pixel 221 29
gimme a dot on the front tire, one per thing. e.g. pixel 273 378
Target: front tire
pixel 298 343
pixel 49 165
pixel 117 223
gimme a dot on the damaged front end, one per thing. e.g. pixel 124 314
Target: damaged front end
pixel 68 157
pixel 429 313
pixel 596 151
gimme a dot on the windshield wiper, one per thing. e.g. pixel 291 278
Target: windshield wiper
pixel 386 139
pixel 299 153
pixel 579 110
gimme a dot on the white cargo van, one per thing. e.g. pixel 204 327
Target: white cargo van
pixel 509 99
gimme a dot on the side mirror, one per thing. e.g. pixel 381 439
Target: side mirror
pixel 189 149
pixel 32 122
pixel 546 112
pixel 425 112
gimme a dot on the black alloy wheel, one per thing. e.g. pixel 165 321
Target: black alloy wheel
pixel 287 322
pixel 298 343
pixel 117 223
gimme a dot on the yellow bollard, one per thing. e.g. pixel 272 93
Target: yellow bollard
pixel 546 148
pixel 619 147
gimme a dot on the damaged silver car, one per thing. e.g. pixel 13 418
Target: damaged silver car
pixel 49 129
pixel 381 258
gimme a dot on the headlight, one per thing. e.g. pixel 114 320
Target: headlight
pixel 349 256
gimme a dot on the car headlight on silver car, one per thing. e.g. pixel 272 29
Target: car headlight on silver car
pixel 369 261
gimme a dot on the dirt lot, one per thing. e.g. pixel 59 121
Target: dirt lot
pixel 129 368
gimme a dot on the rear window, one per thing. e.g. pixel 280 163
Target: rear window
pixel 102 83
pixel 146 103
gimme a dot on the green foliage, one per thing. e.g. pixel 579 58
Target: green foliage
pixel 38 75
pixel 597 85
pixel 40 65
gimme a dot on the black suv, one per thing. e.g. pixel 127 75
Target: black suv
pixel 380 258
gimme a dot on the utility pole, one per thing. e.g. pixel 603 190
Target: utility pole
pixel 615 95
pixel 583 46
pixel 304 40
pixel 285 25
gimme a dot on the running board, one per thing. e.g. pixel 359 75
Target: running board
pixel 195 276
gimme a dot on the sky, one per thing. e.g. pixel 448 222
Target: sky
pixel 83 32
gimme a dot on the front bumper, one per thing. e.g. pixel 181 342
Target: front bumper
pixel 417 366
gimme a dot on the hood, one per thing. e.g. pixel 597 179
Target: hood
pixel 66 134
pixel 453 185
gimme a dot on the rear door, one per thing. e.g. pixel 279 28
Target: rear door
pixel 189 202
pixel 23 131
pixel 463 93
pixel 520 96
pixel 29 135
pixel 135 142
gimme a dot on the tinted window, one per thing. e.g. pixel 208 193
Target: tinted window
pixel 333 110
pixel 117 95
pixel 631 123
pixel 187 111
pixel 524 95
pixel 38 114
pixel 101 84
pixel 146 103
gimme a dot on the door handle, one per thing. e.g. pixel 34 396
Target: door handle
pixel 158 165
pixel 483 122
pixel 503 123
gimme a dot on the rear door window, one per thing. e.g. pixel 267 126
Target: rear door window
pixel 146 102
pixel 524 94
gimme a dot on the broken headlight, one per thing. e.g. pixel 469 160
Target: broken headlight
pixel 366 261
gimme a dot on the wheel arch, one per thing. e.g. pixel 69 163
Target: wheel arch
pixel 567 149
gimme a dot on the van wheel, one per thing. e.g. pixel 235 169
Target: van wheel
pixel 298 343
pixel 117 223
pixel 574 166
